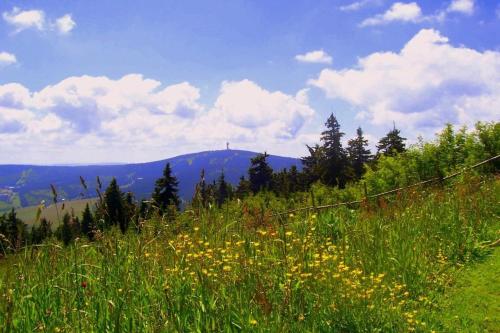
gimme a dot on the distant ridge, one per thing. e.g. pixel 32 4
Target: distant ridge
pixel 25 185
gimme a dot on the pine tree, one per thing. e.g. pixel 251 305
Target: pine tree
pixel 294 183
pixel 313 164
pixel 88 225
pixel 66 230
pixel 335 163
pixel 358 153
pixel 45 228
pixel 115 211
pixel 260 173
pixel 243 189
pixel 166 189
pixel 391 144
pixel 222 190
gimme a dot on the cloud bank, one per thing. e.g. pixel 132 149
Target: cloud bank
pixel 36 19
pixel 317 57
pixel 135 118
pixel 7 58
pixel 428 83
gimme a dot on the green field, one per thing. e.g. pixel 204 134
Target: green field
pixel 28 214
pixel 414 262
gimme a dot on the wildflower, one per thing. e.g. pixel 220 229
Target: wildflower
pixel 252 322
pixel 226 268
pixel 288 233
pixel 84 284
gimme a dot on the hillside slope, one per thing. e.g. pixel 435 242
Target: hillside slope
pixel 25 185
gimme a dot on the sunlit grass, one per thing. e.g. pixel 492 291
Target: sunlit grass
pixel 380 267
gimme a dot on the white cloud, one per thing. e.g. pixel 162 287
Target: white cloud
pixel 461 6
pixel 357 5
pixel 429 82
pixel 136 119
pixel 35 19
pixel 7 59
pixel 399 11
pixel 25 19
pixel 318 57
pixel 65 24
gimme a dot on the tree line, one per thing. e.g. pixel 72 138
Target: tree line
pixel 328 162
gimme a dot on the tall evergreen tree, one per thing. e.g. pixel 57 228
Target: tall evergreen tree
pixel 358 153
pixel 222 189
pixel 88 225
pixel 115 210
pixel 294 181
pixel 66 229
pixel 166 189
pixel 243 189
pixel 313 164
pixel 260 173
pixel 335 163
pixel 391 144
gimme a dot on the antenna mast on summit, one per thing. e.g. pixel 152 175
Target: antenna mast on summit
pixel 227 145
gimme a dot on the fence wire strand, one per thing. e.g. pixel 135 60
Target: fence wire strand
pixel 372 196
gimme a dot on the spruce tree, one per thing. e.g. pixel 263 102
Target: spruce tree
pixel 335 163
pixel 260 173
pixel 115 211
pixel 243 189
pixel 222 190
pixel 166 189
pixel 66 229
pixel 313 164
pixel 88 223
pixel 358 153
pixel 391 144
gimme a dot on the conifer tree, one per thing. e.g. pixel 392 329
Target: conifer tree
pixel 391 144
pixel 313 164
pixel 166 189
pixel 45 228
pixel 260 173
pixel 88 225
pixel 294 183
pixel 243 189
pixel 66 229
pixel 335 158
pixel 222 189
pixel 115 211
pixel 358 153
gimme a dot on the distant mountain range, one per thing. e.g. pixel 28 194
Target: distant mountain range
pixel 26 185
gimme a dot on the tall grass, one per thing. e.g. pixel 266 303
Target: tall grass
pixel 375 268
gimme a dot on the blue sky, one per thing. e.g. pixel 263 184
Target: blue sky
pixel 107 81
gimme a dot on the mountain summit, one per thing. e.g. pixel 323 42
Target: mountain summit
pixel 25 185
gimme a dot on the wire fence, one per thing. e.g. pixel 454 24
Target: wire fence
pixel 373 196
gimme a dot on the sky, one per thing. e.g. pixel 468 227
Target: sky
pixel 89 81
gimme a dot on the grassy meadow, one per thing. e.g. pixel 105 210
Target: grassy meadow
pixel 29 214
pixel 393 265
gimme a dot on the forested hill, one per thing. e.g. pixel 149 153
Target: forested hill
pixel 24 185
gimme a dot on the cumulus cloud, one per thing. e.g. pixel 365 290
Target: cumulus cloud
pixel 136 114
pixel 357 5
pixel 65 24
pixel 428 83
pixel 36 19
pixel 412 13
pixel 25 19
pixel 7 59
pixel 462 6
pixel 399 11
pixel 318 57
